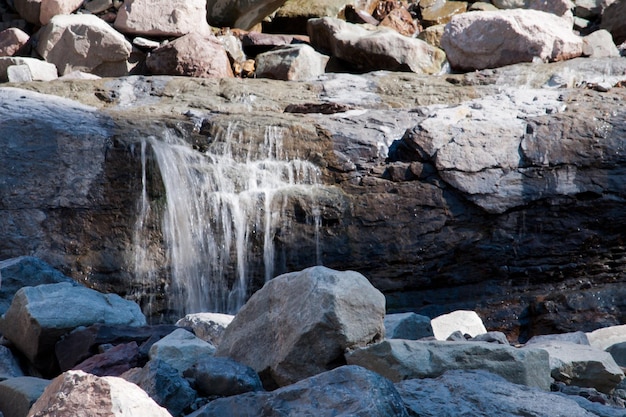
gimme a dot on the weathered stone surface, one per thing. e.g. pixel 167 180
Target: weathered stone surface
pixel 9 366
pixel 181 350
pixel 480 393
pixel 160 19
pixel 467 322
pixel 618 352
pixel 254 43
pixel 369 50
pixel 192 55
pixel 432 35
pixel 494 39
pixel 345 391
pixel 575 337
pixel 112 362
pixel 582 365
pixel 84 342
pixel 440 14
pixel 207 326
pixel 39 12
pixel 599 44
pixel 398 360
pixel 561 8
pixel 223 377
pixel 75 392
pixel 18 394
pixel 291 63
pixel 400 20
pixel 409 326
pixel 39 316
pixel 607 336
pixel 315 315
pixel 39 70
pixel 292 16
pixel 12 40
pixel 509 4
pixel 84 43
pixel 491 337
pixel 613 21
pixel 164 385
pixel 243 14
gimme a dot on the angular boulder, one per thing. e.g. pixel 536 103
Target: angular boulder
pixel 581 365
pixel 299 324
pixel 613 21
pixel 84 43
pixel 223 377
pixel 370 50
pixel 242 14
pixel 209 327
pixel 39 12
pixel 76 393
pixel 35 69
pixel 618 352
pixel 607 336
pixel 17 395
pixel 480 393
pixel 113 361
pixel 9 366
pixel 161 19
pixel 12 40
pixel 181 350
pixel 164 385
pixel 291 63
pixel 409 326
pixel 344 391
pixel 599 44
pixel 39 316
pixel 494 39
pixel 192 55
pixel 398 360
pixel 467 322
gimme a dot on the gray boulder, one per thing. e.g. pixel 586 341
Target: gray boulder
pixel 599 44
pixel 607 336
pixel 370 50
pixel 491 337
pixel 9 366
pixel 299 324
pixel 209 327
pixel 76 393
pixel 495 39
pixel 343 392
pixel 39 12
pixel 573 337
pixel 36 69
pixel 181 349
pixel 84 43
pixel 291 63
pixel 164 385
pixel 618 352
pixel 398 360
pixel 18 394
pixel 39 316
pixel 467 322
pixel 582 365
pixel 223 377
pixel 480 393
pixel 173 18
pixel 409 326
pixel 241 14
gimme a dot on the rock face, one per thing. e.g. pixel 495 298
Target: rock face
pixel 612 20
pixel 73 392
pixel 17 395
pixel 368 50
pixel 241 14
pixel 181 349
pixel 494 39
pixel 291 63
pixel 467 322
pixel 192 55
pixel 35 69
pixel 12 40
pixel 345 391
pixel 480 393
pixel 223 377
pixel 409 326
pixel 39 316
pixel 314 315
pixel 39 12
pixel 157 19
pixel 407 359
pixel 84 43
pixel 207 326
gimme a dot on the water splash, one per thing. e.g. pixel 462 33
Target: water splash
pixel 220 206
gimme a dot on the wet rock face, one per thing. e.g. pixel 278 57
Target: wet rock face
pixel 530 238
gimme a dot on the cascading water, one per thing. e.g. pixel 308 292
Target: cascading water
pixel 219 204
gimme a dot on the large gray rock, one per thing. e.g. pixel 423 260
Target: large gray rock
pixel 222 377
pixel 84 43
pixel 18 394
pixel 582 365
pixel 376 49
pixel 495 39
pixel 9 365
pixel 300 323
pixel 39 316
pixel 480 393
pixel 599 44
pixel 209 327
pixel 162 19
pixel 607 336
pixel 467 322
pixel 192 55
pixel 37 69
pixel 342 392
pixel 181 350
pixel 407 326
pixel 398 360
pixel 291 63
pixel 164 384
pixel 618 352
pixel 241 14
pixel 76 392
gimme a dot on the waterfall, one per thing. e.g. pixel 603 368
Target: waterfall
pixel 220 206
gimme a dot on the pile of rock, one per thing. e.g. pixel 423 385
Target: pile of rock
pixel 308 343
pixel 44 40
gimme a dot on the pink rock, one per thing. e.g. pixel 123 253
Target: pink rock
pixel 162 18
pixel 495 39
pixel 112 362
pixel 39 12
pixel 192 55
pixel 12 40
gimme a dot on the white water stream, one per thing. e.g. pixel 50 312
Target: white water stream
pixel 219 204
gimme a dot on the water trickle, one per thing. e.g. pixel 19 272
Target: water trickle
pixel 220 206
